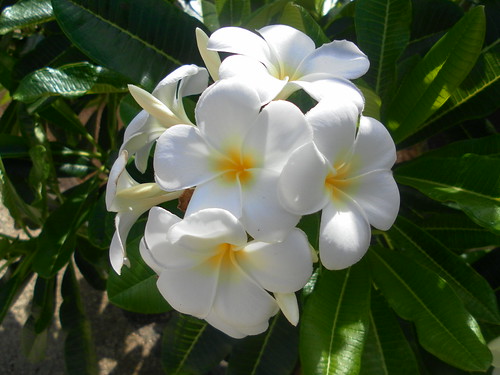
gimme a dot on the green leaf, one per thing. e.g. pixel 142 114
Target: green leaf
pixel 475 292
pixel 335 322
pixel 383 31
pixel 386 349
pixel 13 146
pixel 60 114
pixel 487 146
pixel 33 344
pixel 232 12
pixel 296 16
pixel 135 289
pixel 444 327
pixel 69 81
pixel 157 31
pixel 272 352
pixel 192 347
pixel 427 87
pixel 470 182
pixel 25 13
pixel 474 98
pixel 56 242
pixel 79 352
pixel 265 15
pixel 456 231
pixel 12 283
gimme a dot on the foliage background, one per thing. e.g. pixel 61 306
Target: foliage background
pixel 423 298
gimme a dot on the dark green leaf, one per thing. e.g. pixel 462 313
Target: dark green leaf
pixel 476 294
pixel 156 31
pixel 272 352
pixel 12 283
pixel 192 347
pixel 101 224
pixel 444 327
pixel 56 242
pixel 335 322
pixel 135 289
pixel 433 80
pixel 69 81
pixel 79 352
pixel 471 182
pixel 13 146
pixel 25 13
pixel 33 344
pixel 433 16
pixel 383 31
pixel 60 114
pixel 296 16
pixel 386 349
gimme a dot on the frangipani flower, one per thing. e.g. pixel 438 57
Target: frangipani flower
pixel 283 60
pixel 234 156
pixel 130 200
pixel 347 175
pixel 162 109
pixel 207 268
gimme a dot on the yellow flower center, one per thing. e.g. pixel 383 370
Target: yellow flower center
pixel 336 182
pixel 236 166
pixel 224 256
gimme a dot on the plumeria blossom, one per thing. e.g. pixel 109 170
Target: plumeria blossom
pixel 162 109
pixel 346 173
pixel 207 268
pixel 283 60
pixel 234 156
pixel 130 200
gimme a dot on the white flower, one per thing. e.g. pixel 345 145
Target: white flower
pixel 348 176
pixel 130 200
pixel 494 346
pixel 207 268
pixel 162 109
pixel 234 156
pixel 283 60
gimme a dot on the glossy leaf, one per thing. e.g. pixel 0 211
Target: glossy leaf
pixel 79 352
pixel 157 31
pixel 25 13
pixel 383 31
pixel 474 98
pixel 335 322
pixel 69 81
pixel 135 289
pixel 272 352
pixel 470 182
pixel 192 346
pixel 433 80
pixel 476 294
pixel 387 351
pixel 416 293
pixel 56 242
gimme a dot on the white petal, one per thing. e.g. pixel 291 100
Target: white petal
pixel 289 306
pixel 326 87
pixel 240 301
pixel 210 58
pixel 282 267
pixel 112 187
pixel 263 216
pixel 154 106
pixel 254 74
pixel 290 45
pixel 334 129
pixel 216 193
pixel 190 290
pixel 301 186
pixel 225 112
pixel 123 223
pixel 148 258
pixel 206 229
pixel 182 158
pixel 242 42
pixel 236 332
pixel 344 234
pixel 378 195
pixel 280 129
pixel 339 58
pixel 157 226
pixel 373 148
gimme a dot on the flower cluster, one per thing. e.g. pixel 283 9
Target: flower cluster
pixel 255 164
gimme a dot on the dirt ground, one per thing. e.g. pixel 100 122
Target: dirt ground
pixel 126 344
